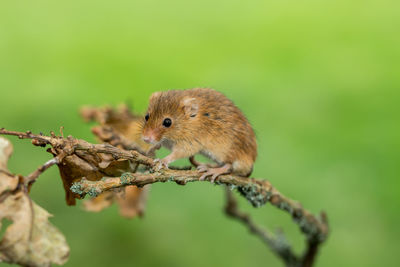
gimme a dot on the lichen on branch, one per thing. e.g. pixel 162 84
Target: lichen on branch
pixel 98 169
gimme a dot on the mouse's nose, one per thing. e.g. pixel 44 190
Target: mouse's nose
pixel 147 139
pixel 149 136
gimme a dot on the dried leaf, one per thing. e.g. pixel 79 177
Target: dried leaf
pixel 8 182
pixel 92 167
pixel 30 240
pixel 6 150
pixel 119 128
pixel 131 201
pixel 99 203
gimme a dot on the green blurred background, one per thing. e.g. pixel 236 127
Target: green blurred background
pixel 319 81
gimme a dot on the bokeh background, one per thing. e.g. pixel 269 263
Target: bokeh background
pixel 319 81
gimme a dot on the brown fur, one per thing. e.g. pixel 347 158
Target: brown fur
pixel 203 121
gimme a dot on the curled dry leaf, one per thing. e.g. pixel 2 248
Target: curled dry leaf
pixel 131 201
pixel 118 127
pixel 31 240
pixel 8 183
pixel 99 203
pixel 92 167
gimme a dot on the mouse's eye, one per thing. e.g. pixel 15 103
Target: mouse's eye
pixel 147 117
pixel 167 122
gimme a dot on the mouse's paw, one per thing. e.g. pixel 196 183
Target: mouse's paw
pixel 160 164
pixel 214 172
pixel 202 168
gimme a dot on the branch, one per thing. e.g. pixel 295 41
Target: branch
pixel 31 178
pixel 278 244
pixel 313 245
pixel 70 145
pixel 257 191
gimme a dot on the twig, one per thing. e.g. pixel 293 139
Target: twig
pixel 27 135
pixel 31 178
pixel 277 244
pixel 311 252
pixel 109 135
pixel 117 153
pixel 69 145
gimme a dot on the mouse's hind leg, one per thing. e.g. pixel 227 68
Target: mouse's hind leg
pixel 214 172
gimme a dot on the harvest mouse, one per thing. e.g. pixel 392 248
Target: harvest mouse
pixel 201 121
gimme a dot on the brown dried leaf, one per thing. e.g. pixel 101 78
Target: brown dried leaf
pixel 6 150
pixel 8 182
pixel 119 127
pixel 99 203
pixel 108 115
pixel 92 167
pixel 30 240
pixel 131 201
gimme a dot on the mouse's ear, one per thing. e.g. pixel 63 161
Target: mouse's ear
pixel 190 106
